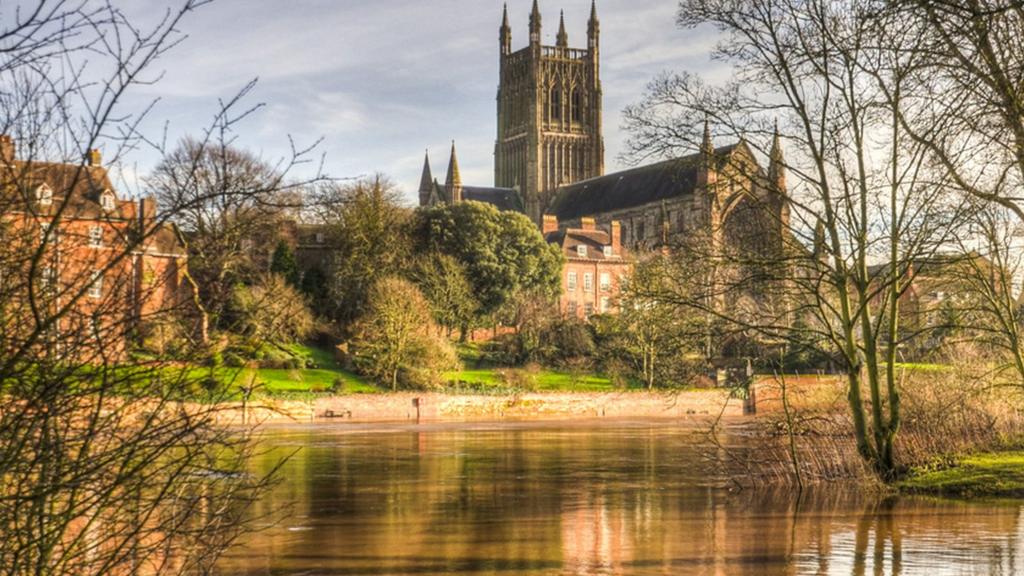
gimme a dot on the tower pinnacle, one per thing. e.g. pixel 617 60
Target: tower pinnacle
pixel 505 33
pixel 453 183
pixel 426 180
pixel 563 37
pixel 535 24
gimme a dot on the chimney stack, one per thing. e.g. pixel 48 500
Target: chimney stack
pixel 95 158
pixel 616 238
pixel 588 224
pixel 550 224
pixel 6 148
pixel 147 210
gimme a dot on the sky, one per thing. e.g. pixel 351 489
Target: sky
pixel 379 81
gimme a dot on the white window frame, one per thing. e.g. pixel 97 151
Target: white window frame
pixel 572 281
pixel 606 282
pixel 607 251
pixel 107 200
pixel 95 236
pixel 588 282
pixel 588 309
pixel 581 250
pixel 96 285
pixel 570 308
pixel 44 195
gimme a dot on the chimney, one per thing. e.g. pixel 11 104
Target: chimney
pixel 616 238
pixel 147 210
pixel 6 148
pixel 588 224
pixel 550 224
pixel 95 158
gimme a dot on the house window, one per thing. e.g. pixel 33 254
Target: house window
pixel 95 236
pixel 607 251
pixel 95 327
pixel 107 200
pixel 606 282
pixel 588 309
pixel 588 282
pixel 319 237
pixel 581 251
pixel 570 308
pixel 45 195
pixel 571 283
pixel 605 305
pixel 48 280
pixel 96 286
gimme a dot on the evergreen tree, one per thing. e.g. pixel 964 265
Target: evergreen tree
pixel 283 263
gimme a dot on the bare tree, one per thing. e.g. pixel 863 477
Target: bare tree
pixel 109 464
pixel 865 204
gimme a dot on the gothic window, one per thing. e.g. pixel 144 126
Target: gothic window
pixel 577 110
pixel 556 104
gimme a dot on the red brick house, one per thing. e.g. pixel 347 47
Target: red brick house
pixel 596 266
pixel 90 270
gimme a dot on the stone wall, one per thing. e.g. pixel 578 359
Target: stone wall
pixel 430 407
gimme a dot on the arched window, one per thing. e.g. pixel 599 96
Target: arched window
pixel 44 195
pixel 556 104
pixel 577 105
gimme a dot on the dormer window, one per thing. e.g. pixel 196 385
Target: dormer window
pixel 107 200
pixel 44 194
pixel 581 251
pixel 607 251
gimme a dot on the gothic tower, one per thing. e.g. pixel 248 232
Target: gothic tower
pixel 549 113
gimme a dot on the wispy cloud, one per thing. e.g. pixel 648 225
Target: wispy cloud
pixel 380 81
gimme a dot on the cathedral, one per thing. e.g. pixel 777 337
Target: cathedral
pixel 549 161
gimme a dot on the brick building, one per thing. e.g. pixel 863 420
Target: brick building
pixel 595 269
pixel 87 269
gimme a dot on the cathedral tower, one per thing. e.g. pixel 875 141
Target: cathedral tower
pixel 549 113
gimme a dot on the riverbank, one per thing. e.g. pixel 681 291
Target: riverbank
pixel 437 407
pixel 989 474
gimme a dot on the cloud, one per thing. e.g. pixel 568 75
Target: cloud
pixel 380 81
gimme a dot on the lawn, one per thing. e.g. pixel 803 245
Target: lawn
pixel 499 379
pixel 987 474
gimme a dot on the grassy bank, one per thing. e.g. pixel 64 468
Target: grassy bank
pixel 993 474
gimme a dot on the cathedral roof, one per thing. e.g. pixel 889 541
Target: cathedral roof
pixel 505 199
pixel 629 188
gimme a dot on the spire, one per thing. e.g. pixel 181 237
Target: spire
pixel 593 26
pixel 777 163
pixel 426 180
pixel 505 33
pixel 453 183
pixel 563 37
pixel 535 24
pixel 706 147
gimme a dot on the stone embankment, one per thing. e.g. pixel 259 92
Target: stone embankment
pixel 433 407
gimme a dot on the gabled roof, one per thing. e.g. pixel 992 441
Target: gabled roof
pixel 79 187
pixel 634 187
pixel 595 240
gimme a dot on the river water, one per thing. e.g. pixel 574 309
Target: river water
pixel 584 498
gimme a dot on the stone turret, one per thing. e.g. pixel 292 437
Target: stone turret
pixel 563 37
pixel 453 183
pixel 426 181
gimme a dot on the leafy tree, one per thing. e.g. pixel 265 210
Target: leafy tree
pixel 396 334
pixel 503 253
pixel 283 263
pixel 444 282
pixel 366 231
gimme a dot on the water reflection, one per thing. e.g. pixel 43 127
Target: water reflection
pixel 585 500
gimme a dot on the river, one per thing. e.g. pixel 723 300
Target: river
pixel 584 499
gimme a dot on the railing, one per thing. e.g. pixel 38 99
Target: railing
pixel 564 53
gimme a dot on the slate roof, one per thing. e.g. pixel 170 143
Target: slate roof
pixel 595 240
pixel 81 187
pixel 630 188
pixel 505 199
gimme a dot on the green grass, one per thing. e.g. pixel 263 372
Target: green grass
pixel 987 474
pixel 542 380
